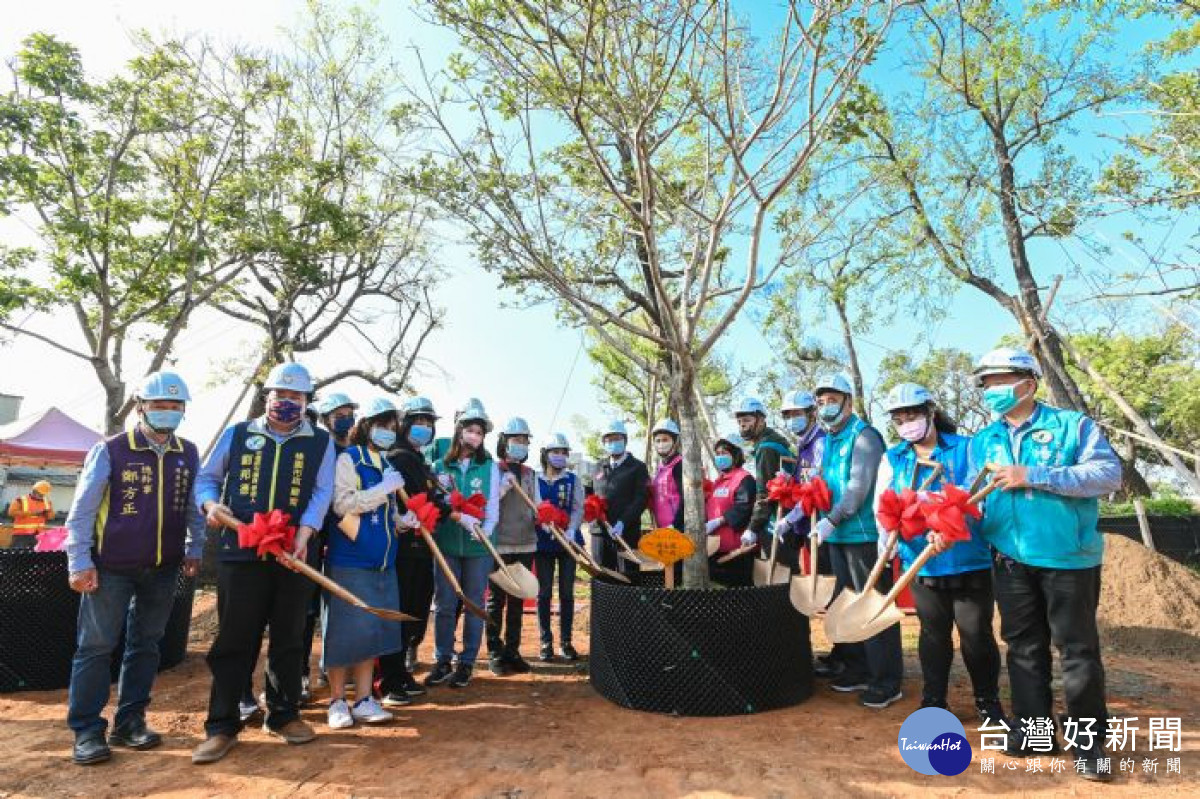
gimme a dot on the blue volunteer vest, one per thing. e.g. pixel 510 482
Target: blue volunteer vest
pixel 952 451
pixel 560 493
pixel 263 475
pixel 1036 527
pixel 376 545
pixel 143 516
pixel 835 469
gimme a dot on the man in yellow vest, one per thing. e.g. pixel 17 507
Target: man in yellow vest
pixel 33 511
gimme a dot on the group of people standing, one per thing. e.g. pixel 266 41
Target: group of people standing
pixel 344 473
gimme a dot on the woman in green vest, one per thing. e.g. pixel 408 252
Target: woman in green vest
pixel 469 469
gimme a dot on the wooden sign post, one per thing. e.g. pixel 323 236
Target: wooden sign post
pixel 667 546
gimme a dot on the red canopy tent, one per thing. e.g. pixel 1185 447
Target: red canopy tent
pixel 50 436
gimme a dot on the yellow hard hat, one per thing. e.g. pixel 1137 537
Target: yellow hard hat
pixel 42 487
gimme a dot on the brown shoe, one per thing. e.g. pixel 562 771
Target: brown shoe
pixel 294 732
pixel 213 749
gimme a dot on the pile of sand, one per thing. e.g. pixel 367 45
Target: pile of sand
pixel 1149 604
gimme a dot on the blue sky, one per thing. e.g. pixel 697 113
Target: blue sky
pixel 520 359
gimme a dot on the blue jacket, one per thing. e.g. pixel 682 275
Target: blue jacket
pixel 952 452
pixel 858 526
pixel 1052 524
pixel 377 542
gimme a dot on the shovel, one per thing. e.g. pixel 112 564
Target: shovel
pixel 872 614
pixel 766 572
pixel 467 604
pixel 811 593
pixel 629 553
pixel 513 578
pixel 581 557
pixel 329 585
pixel 848 598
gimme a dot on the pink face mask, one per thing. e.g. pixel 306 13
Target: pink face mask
pixel 914 430
pixel 472 439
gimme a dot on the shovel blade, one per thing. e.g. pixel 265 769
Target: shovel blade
pixel 515 583
pixel 764 575
pixel 712 543
pixel 861 619
pixel 808 601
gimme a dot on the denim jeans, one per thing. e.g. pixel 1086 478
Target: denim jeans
pixel 547 562
pixel 138 602
pixel 472 574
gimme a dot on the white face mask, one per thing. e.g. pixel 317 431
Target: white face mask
pixel 664 448
pixel 472 439
pixel 914 430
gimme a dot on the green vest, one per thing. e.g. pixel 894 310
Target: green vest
pixel 450 536
pixel 835 469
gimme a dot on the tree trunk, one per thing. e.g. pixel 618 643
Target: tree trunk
pixel 695 568
pixel 860 400
pixel 651 410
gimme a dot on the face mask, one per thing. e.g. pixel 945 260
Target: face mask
pixel 420 434
pixel 284 411
pixel 830 415
pixel 798 424
pixel 163 421
pixel 518 452
pixel 383 438
pixel 724 462
pixel 914 430
pixel 557 460
pixel 472 440
pixel 1002 399
pixel 664 448
pixel 342 425
pixel 616 447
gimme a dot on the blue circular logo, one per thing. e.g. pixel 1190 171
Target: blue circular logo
pixel 932 741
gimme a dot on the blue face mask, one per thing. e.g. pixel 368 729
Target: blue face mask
pixel 798 424
pixel 342 425
pixel 517 452
pixel 616 447
pixel 724 462
pixel 284 411
pixel 1002 399
pixel 420 434
pixel 163 421
pixel 557 460
pixel 383 438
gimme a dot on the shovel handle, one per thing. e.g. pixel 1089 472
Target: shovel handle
pixel 882 562
pixel 737 553
pixel 581 557
pixel 979 495
pixel 470 606
pixel 936 471
pixel 906 578
pixel 977 483
pixel 496 556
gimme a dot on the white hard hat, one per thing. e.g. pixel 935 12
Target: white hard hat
pixel 615 428
pixel 378 407
pixel 556 441
pixel 333 402
pixel 666 426
pixel 750 405
pixel 906 395
pixel 473 411
pixel 834 382
pixel 290 376
pixel 1006 360
pixel 419 406
pixel 516 426
pixel 798 400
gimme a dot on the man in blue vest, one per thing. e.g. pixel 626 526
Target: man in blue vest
pixel 278 460
pixel 133 522
pixel 1052 466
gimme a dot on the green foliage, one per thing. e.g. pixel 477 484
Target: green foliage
pixel 945 372
pixel 1155 506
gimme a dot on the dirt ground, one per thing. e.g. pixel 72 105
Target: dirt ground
pixel 549 734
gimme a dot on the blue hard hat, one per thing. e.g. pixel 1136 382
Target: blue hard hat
pixel 333 402
pixel 419 406
pixel 666 426
pixel 290 376
pixel 798 400
pixel 163 385
pixel 906 395
pixel 516 426
pixel 377 407
pixel 834 382
pixel 615 428
pixel 750 405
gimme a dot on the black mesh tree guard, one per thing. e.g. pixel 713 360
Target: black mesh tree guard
pixel 699 653
pixel 38 613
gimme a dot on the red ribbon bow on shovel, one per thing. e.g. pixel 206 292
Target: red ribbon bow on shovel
pixel 595 508
pixel 426 512
pixel 550 514
pixel 904 512
pixel 270 533
pixel 814 496
pixel 707 485
pixel 947 513
pixel 784 491
pixel 473 505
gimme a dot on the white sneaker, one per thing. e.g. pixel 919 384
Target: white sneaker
pixel 339 715
pixel 370 711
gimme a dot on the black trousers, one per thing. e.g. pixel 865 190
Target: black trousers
pixel 415 575
pixel 606 552
pixel 970 607
pixel 251 595
pixel 548 564
pixel 505 612
pixel 1040 607
pixel 737 573
pixel 879 659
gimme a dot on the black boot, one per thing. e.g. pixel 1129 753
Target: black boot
pixel 1091 766
pixel 134 735
pixel 90 749
pixel 990 711
pixel 547 653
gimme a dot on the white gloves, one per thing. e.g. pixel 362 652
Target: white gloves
pixel 881 544
pixel 470 524
pixel 749 539
pixel 617 530
pixel 822 531
pixel 409 521
pixel 712 525
pixel 782 528
pixel 392 482
pixel 507 481
pixel 794 515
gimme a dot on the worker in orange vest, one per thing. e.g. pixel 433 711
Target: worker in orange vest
pixel 32 511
